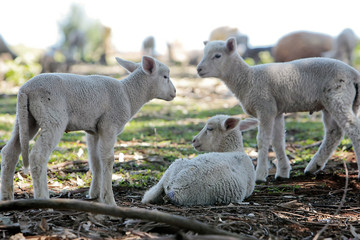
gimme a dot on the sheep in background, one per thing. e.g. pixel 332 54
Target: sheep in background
pixel 148 46
pixel 268 91
pixel 226 175
pixel 176 52
pixel 223 33
pixel 301 44
pixel 343 47
pixel 57 102
pixel 50 65
pixel 75 42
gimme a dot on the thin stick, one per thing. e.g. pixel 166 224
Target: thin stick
pixel 123 212
pixel 340 205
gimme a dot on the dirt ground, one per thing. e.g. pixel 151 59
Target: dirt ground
pixel 297 212
pixel 295 208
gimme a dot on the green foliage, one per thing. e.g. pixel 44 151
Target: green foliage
pixel 21 70
pixel 357 56
pixel 266 57
pixel 8 105
pixel 306 130
pixel 93 30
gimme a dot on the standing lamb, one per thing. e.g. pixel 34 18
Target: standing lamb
pixel 268 91
pixel 56 103
pixel 226 175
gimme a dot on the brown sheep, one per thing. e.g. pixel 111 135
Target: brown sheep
pixel 301 44
pixel 223 33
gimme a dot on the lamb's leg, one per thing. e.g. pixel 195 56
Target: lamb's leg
pixel 263 140
pixel 95 165
pixel 10 157
pixel 332 138
pixel 106 151
pixel 39 156
pixel 278 142
pixel 351 125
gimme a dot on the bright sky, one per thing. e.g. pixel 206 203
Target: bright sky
pixel 35 23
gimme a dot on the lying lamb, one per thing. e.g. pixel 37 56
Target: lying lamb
pixel 268 91
pixel 224 176
pixel 57 103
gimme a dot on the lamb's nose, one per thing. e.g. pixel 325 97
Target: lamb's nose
pixel 199 69
pixel 194 140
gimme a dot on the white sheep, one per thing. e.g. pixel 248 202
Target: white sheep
pixel 226 175
pixel 343 47
pixel 268 91
pixel 56 103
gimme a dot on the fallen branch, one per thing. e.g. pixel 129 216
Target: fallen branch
pixel 123 212
pixel 65 164
pixel 315 144
pixel 340 205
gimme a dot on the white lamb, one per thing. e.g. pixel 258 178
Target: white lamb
pixel 101 106
pixel 268 91
pixel 226 175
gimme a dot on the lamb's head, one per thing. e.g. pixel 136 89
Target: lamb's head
pixel 217 56
pixel 157 73
pixel 223 134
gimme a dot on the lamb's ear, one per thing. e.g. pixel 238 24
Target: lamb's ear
pixel 231 44
pixel 205 42
pixel 129 66
pixel 230 123
pixel 148 64
pixel 248 123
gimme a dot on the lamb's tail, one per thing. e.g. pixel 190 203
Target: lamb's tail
pixel 23 117
pixel 154 194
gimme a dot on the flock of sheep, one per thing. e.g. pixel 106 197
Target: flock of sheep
pixel 54 103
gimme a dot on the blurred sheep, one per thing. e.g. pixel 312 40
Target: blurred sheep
pixel 148 46
pixel 176 52
pixel 301 44
pixel 343 47
pixel 75 42
pixel 50 65
pixel 224 32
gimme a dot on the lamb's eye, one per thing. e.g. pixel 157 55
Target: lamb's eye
pixel 217 55
pixel 209 129
pixel 165 77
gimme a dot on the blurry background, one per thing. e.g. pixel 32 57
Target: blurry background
pixel 54 36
